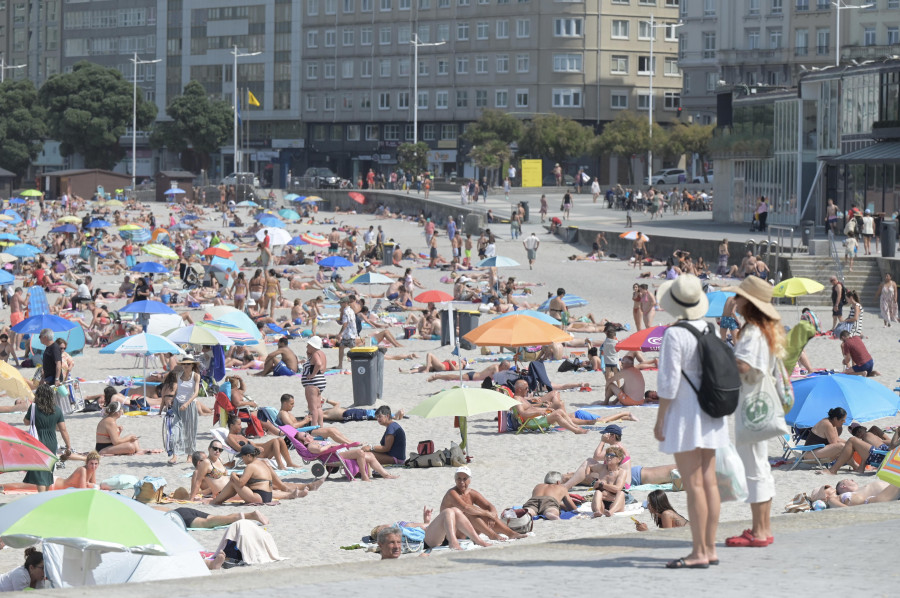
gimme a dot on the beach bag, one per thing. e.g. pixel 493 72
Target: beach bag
pixel 783 387
pixel 417 461
pixel 889 470
pixel 425 447
pixel 518 520
pixel 720 382
pixel 850 227
pixel 730 476
pixel 760 413
pixel 149 489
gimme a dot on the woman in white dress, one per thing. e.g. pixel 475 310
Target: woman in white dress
pixel 181 420
pixel 683 429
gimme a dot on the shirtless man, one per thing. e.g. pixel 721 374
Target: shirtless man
pixel 551 400
pixel 547 498
pixel 287 419
pixel 477 509
pixel 727 322
pixel 334 241
pixel 544 417
pixel 280 362
pixel 17 304
pixel 847 493
pixel 488 372
pixel 626 386
pixel 433 364
pixel 609 497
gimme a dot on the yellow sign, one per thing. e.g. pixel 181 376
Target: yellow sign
pixel 531 173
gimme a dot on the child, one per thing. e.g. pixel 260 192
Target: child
pixel 608 350
pixel 628 216
pixel 850 247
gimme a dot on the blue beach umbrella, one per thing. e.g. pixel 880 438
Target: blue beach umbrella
pixel 65 228
pixel 534 314
pixel 297 241
pixel 335 261
pixel 16 201
pixel 23 250
pixel 6 278
pixel 10 237
pixel 299 199
pixel 291 197
pixel 862 398
pixel 16 219
pixel 271 221
pixel 568 299
pixel 147 306
pixel 717 301
pixel 174 191
pixel 288 214
pixel 247 204
pixel 222 264
pixel 99 223
pixel 138 236
pixel 35 324
pixel 150 267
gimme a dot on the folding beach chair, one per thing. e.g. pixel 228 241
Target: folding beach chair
pixel 329 461
pixel 792 447
pixel 530 424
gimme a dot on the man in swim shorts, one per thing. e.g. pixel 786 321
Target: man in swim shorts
pixel 488 372
pixel 626 386
pixel 548 498
pixel 280 362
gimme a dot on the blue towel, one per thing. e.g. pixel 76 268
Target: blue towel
pixel 218 363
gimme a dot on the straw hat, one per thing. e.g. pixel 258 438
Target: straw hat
pixel 188 359
pixel 758 292
pixel 683 297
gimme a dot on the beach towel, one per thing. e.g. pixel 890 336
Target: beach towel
pixel 255 544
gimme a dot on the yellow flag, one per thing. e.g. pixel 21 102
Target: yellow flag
pixel 251 99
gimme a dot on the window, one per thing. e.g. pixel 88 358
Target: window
pixel 403 100
pixel 365 101
pixel 521 98
pixel 774 39
pixel 481 30
pixel 753 40
pixel 823 4
pixel 349 6
pixel 404 5
pixel 365 36
pixel 801 42
pixel 312 39
pixel 330 38
pixel 404 34
pixel 310 103
pixel 709 45
pixel 523 63
pixel 462 65
pixel 462 32
pixel 462 99
pixel 672 100
pixel 481 97
pixel 443 67
pixel 347 36
pixel 443 3
pixel 566 98
pixel 423 68
pixel 645 31
pixel 312 70
pixel 618 64
pixel 424 33
pixel 329 103
pixel 423 99
pixel 776 7
pixel 503 63
pixel 365 5
pixel 709 9
pixel 643 100
pixel 392 132
pixel 428 132
pixel 523 28
pixel 568 63
pixel 869 36
pixel 347 69
pixel 403 67
pixel 384 67
pixel 671 66
pixel 441 99
pixel 893 36
pixel 365 68
pixel 410 132
pixel 712 80
pixel 672 3
pixel 823 40
pixel 384 5
pixel 330 7
pixel 802 5
pixel 448 132
pixel 481 65
pixel 384 100
pixel 618 100
pixel 501 99
pixel 443 33
pixel 371 132
pixel 384 36
pixel 644 66
pixel 346 104
pixel 619 29
pixel 502 29
pixel 671 32
pixel 352 132
pixel 753 7
pixel 567 27
pixel 893 4
pixel 328 70
pixel 424 4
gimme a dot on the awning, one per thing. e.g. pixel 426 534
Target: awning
pixel 884 152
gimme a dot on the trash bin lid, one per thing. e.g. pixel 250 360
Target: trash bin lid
pixel 362 352
pixel 573 227
pixel 468 311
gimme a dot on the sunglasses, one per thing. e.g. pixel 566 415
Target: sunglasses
pixel 613 455
pixel 218 449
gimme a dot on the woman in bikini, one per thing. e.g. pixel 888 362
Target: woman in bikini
pixel 238 357
pixel 7 349
pixel 636 306
pixel 210 473
pixel 256 484
pixel 83 477
pixel 240 291
pixel 662 513
pixel 256 285
pixel 273 292
pixel 648 303
pixel 314 310
pixel 109 439
pixel 364 459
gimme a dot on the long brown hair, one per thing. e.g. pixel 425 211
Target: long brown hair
pixel 772 330
pixel 43 398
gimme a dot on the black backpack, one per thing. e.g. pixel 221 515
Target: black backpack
pixel 720 384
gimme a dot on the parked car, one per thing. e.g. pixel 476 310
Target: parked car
pixel 550 180
pixel 667 176
pixel 708 179
pixel 241 178
pixel 322 178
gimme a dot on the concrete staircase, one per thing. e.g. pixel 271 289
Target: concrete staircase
pixel 864 279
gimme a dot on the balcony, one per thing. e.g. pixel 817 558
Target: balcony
pixel 886 130
pixel 756 56
pixel 869 52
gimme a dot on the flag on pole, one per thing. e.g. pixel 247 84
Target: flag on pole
pixel 238 108
pixel 251 99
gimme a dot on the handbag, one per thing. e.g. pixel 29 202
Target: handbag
pixel 32 429
pixel 730 476
pixel 759 415
pixel 783 387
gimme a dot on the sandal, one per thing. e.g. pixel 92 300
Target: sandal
pixel 681 564
pixel 747 539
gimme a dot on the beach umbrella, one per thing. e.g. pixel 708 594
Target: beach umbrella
pixel 218 250
pixel 13 384
pixel 6 258
pixel 534 314
pixel 648 339
pixel 313 198
pixel 143 344
pixel 189 217
pixel 717 301
pixel 315 239
pixel 35 324
pixel 5 218
pixel 291 197
pixel 69 251
pixel 160 251
pixel 371 278
pixel 221 264
pixel 10 237
pixel 233 317
pixel 130 227
pixel 271 222
pixel 277 236
pixel 174 191
pixel 263 214
pixel 288 214
pixel 30 193
pixel 114 203
pixel 569 300
pixel 297 241
pixel 17 201
pixel 23 250
pixel 147 306
pixel 434 297
pixel 516 331
pixel 228 246
pixel 632 235
pixel 796 287
pixel 20 451
pixel 235 334
pixel 862 398
pixel 99 223
pixel 65 228
pixel 159 235
pixel 335 261
pixel 6 278
pixel 181 226
pixel 197 335
pixel 248 204
pixel 497 261
pixel 357 197
pixel 299 199
pixel 69 220
pixel 16 219
pixel 150 268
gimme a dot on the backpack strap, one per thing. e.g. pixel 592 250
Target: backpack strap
pixel 697 334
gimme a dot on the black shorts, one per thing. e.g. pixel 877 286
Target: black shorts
pixel 189 515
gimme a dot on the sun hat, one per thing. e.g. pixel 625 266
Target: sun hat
pixel 683 297
pixel 758 292
pixel 464 470
pixel 188 359
pixel 315 342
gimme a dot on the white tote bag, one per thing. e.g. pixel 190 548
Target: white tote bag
pixel 760 414
pixel 33 428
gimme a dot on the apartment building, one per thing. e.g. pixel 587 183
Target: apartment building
pixel 30 35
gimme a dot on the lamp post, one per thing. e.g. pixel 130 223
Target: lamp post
pixel 653 28
pixel 136 62
pixel 4 68
pixel 237 158
pixel 839 6
pixel 416 43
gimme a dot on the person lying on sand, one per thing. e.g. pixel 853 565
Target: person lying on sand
pixel 847 493
pixel 477 509
pixel 433 364
pixel 196 519
pixel 83 477
pixel 446 529
pixel 549 498
pixel 488 372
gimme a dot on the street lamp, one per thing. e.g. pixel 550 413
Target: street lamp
pixel 416 43
pixel 136 62
pixel 653 28
pixel 839 6
pixel 236 100
pixel 4 68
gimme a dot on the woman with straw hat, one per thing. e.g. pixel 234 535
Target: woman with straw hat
pixel 180 427
pixel 682 427
pixel 759 341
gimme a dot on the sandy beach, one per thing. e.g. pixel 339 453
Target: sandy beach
pixel 505 468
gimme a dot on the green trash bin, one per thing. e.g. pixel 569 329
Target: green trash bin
pixel 571 234
pixel 367 371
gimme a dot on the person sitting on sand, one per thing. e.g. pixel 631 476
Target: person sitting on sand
pixel 446 529
pixel 662 513
pixel 549 498
pixel 609 497
pixel 827 431
pixel 392 448
pixel 611 435
pixel 363 458
pixel 551 400
pixel 83 477
pixel 280 362
pixel 864 444
pixel 543 417
pixel 848 493
pixel 210 472
pixel 257 484
pixel 287 419
pixel 488 372
pixel 109 439
pixel 433 364
pixel 273 449
pixel 477 509
pixel 626 386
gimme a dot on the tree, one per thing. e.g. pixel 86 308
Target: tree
pixel 492 125
pixel 413 157
pixel 490 155
pixel 555 138
pixel 22 125
pixel 199 127
pixel 629 136
pixel 694 139
pixel 89 109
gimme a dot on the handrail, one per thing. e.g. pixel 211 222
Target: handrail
pixel 835 256
pixel 780 235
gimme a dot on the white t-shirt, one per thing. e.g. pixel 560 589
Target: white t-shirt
pixel 16 580
pixel 595 187
pixel 490 250
pixel 868 225
pixel 83 291
pixel 532 242
pixel 348 317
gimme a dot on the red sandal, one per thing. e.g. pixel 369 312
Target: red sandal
pixel 747 539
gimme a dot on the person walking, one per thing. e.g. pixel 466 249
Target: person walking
pixel 682 427
pixel 759 341
pixel 567 204
pixel 762 213
pixel 46 417
pixel 887 300
pixel 531 245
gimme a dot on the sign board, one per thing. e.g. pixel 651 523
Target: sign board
pixel 531 173
pixel 288 143
pixel 441 156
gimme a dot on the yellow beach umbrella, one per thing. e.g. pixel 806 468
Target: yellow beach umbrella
pixel 795 287
pixel 69 220
pixel 130 227
pixel 30 193
pixel 160 251
pixel 114 203
pixel 6 218
pixel 13 384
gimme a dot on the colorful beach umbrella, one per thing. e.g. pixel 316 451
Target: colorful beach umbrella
pixel 315 239
pixel 371 278
pixel 160 251
pixel 228 247
pixel 233 317
pixel 232 332
pixel 463 402
pixel 648 339
pixel 142 344
pixel 497 261
pixel 516 331
pixel 864 399
pixel 35 324
pixel 20 451
pixel 197 335
pixel 313 198
pixel 632 235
